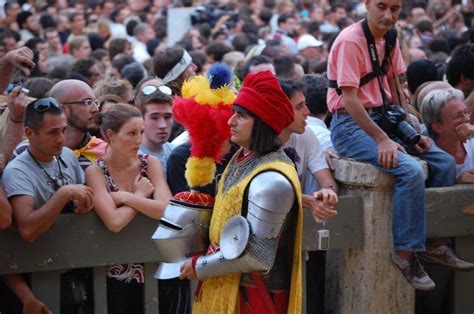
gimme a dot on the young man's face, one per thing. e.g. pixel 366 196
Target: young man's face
pixel 48 140
pixel 301 112
pixel 158 120
pixel 83 52
pixel 241 126
pixel 383 14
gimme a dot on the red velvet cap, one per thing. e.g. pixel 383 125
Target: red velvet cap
pixel 262 95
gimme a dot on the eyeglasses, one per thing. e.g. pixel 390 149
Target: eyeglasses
pixel 148 90
pixel 86 102
pixel 44 104
pixel 466 113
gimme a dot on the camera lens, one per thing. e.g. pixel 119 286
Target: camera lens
pixel 407 133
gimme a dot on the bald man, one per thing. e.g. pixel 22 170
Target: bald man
pixel 80 106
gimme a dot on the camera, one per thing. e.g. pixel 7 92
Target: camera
pixel 322 237
pixel 23 89
pixel 211 13
pixel 394 124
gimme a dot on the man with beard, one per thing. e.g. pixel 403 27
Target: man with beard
pixel 80 107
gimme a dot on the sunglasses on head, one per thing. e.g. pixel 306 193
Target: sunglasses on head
pixel 148 90
pixel 44 104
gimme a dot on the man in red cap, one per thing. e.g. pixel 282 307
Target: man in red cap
pixel 253 264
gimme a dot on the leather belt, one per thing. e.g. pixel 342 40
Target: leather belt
pixel 344 112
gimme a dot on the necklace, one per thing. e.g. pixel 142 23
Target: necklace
pixel 56 183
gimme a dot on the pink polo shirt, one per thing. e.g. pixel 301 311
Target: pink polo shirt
pixel 349 61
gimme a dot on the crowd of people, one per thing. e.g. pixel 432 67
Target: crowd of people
pixel 87 125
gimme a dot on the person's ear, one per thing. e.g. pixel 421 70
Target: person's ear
pixel 109 134
pixel 28 132
pixel 436 127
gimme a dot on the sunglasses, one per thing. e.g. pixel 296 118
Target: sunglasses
pixel 148 90
pixel 44 104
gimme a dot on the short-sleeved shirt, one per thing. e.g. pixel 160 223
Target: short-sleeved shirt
pixel 468 163
pixel 349 61
pixel 163 156
pixel 23 176
pixel 311 156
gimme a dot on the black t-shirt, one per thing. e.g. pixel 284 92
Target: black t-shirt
pixel 176 167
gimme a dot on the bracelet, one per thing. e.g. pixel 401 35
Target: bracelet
pixel 15 121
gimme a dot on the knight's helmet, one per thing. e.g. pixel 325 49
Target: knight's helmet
pixel 183 231
pixel 204 109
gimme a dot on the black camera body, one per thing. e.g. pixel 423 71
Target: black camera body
pixel 211 13
pixel 394 124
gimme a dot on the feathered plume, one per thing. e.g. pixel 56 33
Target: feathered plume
pixel 204 112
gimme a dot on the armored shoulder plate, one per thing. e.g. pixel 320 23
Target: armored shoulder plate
pixel 271 196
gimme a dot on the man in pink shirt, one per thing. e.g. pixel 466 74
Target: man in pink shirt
pixel 357 103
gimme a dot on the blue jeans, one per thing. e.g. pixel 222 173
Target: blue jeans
pixel 408 206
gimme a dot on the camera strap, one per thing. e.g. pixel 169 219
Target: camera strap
pixel 377 69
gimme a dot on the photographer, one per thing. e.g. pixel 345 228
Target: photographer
pixel 367 126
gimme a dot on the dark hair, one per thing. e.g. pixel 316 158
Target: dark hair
pixel 240 42
pixel 22 17
pixel 199 59
pixel 424 26
pixel 117 46
pixel 419 72
pixel 254 61
pixel 32 42
pixel 151 46
pixel 461 63
pixel 39 87
pixel 166 60
pixel 121 60
pixel 72 16
pixel 290 87
pixel 265 15
pixel 157 97
pixel 264 139
pixel 82 67
pixel 316 88
pixel 439 44
pixel 98 54
pixel 95 41
pixel 34 118
pixel 115 118
pixel 131 26
pixel 304 61
pixel 284 67
pixel 47 21
pixel 133 72
pixel 283 18
pixel 217 50
pixel 8 33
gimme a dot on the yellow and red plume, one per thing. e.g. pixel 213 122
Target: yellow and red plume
pixel 204 112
